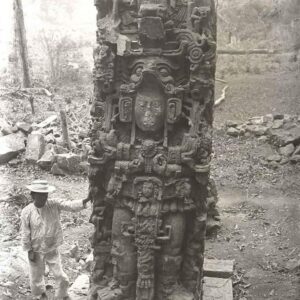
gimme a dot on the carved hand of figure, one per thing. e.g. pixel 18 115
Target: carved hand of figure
pixel 159 164
pixel 136 164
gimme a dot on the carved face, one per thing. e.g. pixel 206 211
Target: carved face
pixel 150 108
pixel 148 189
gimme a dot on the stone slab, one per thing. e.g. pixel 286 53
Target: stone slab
pixel 218 268
pixel 10 146
pixel 217 289
pixel 35 147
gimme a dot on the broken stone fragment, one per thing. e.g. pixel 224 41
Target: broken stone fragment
pixel 55 170
pixel 230 123
pixel 46 161
pixel 25 127
pixel 287 150
pixel 257 130
pixel 297 151
pixel 275 157
pixel 282 137
pixel 10 146
pixel 295 159
pixel 47 122
pixel 35 147
pixel 69 162
pixel 233 131
pixel 277 124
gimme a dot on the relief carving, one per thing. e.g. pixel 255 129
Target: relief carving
pixel 151 146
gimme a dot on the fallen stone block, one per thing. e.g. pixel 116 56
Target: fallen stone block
pixel 295 159
pixel 69 162
pixel 233 131
pixel 282 137
pixel 217 289
pixel 10 146
pixel 218 268
pixel 24 127
pixel 35 147
pixel 287 150
pixel 55 170
pixel 47 122
pixel 46 161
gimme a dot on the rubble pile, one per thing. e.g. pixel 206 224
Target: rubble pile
pixel 281 131
pixel 42 144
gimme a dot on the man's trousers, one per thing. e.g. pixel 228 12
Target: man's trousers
pixel 37 270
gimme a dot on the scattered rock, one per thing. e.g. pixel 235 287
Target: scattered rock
pixel 282 137
pixel 55 170
pixel 233 132
pixel 60 150
pixel 24 127
pixel 35 147
pixel 293 264
pixel 297 151
pixel 230 123
pixel 10 146
pixel 274 157
pixel 295 159
pixel 257 130
pixel 14 162
pixel 277 124
pixel 287 150
pixel 46 161
pixel 46 122
pixel 69 162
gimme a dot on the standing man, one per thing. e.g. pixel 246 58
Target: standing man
pixel 42 235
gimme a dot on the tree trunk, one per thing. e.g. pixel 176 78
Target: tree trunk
pixel 21 36
pixel 65 131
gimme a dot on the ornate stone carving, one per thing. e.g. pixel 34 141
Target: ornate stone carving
pixel 151 145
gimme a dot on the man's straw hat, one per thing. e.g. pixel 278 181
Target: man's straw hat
pixel 41 186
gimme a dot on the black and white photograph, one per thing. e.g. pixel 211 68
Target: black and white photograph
pixel 150 150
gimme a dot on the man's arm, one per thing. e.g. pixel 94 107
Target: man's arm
pixel 25 232
pixel 73 206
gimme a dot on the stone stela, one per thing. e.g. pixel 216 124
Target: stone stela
pixel 151 137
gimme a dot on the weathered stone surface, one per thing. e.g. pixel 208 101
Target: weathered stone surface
pixel 297 151
pixel 218 268
pixel 80 287
pixel 233 131
pixel 274 157
pixel 69 162
pixel 35 147
pixel 46 161
pixel 257 130
pixel 217 289
pixel 46 122
pixel 25 127
pixel 151 140
pixel 231 123
pixel 10 146
pixel 55 170
pixel 295 159
pixel 282 137
pixel 60 150
pixel 287 150
pixel 277 124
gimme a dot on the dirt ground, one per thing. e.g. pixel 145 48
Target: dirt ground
pixel 260 207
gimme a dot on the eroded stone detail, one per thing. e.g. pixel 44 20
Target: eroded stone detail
pixel 151 139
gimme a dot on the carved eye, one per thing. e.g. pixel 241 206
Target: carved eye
pixel 164 72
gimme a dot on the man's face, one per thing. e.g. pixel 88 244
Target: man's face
pixel 39 199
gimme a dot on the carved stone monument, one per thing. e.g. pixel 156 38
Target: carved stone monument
pixel 151 138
